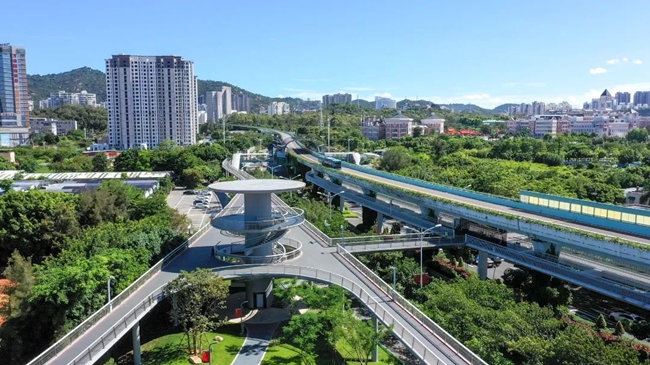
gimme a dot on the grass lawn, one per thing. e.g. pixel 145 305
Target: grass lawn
pixel 287 354
pixel 171 349
pixel 385 358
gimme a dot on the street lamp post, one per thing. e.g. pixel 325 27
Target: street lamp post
pixel 349 139
pixel 394 278
pixel 108 285
pixel 216 341
pixel 421 239
pixel 242 316
pixel 342 236
pixel 330 197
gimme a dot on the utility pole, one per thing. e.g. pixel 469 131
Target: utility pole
pixel 320 122
pixel 223 123
pixel 328 133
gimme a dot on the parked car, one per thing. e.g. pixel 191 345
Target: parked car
pixel 624 317
pixel 190 192
pixel 200 205
pixel 490 262
pixel 202 201
pixel 497 260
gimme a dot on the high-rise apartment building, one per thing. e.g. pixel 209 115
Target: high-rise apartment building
pixel 339 98
pixel 241 103
pixel 151 99
pixel 538 107
pixel 622 98
pixel 14 99
pixel 58 99
pixel 641 97
pixel 218 103
pixel 279 107
pixel 385 103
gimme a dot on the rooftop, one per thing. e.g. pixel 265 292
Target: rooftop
pixel 257 186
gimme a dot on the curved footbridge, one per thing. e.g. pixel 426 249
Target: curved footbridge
pixel 311 258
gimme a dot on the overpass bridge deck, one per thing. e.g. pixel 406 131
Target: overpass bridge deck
pixel 319 262
pixel 476 202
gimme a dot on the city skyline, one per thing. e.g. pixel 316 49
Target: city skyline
pixel 487 55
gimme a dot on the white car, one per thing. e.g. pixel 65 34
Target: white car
pixel 200 205
pixel 624 317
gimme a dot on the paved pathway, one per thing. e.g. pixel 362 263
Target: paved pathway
pixel 257 342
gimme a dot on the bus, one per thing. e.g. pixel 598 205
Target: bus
pixel 331 162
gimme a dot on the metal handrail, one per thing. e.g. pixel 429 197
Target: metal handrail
pixel 62 343
pixel 415 312
pixel 557 269
pixel 233 220
pixel 234 258
pixel 115 332
pixel 52 351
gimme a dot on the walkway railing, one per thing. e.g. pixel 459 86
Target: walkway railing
pixel 78 331
pixel 438 331
pixel 323 276
pixel 232 219
pixel 560 271
pixel 232 254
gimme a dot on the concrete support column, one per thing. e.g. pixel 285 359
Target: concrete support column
pixel 137 353
pixel 547 248
pixel 482 265
pixel 429 214
pixel 259 293
pixel 380 222
pixel 374 357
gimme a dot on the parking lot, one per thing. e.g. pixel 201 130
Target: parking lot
pixel 185 204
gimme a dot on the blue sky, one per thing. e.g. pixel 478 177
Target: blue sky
pixel 483 52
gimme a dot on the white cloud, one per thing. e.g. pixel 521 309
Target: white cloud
pixel 625 59
pixel 613 61
pixel 597 70
pixel 637 62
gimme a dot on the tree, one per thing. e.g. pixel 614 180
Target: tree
pixel 192 178
pixel 640 330
pixel 395 159
pixel 601 323
pixel 303 331
pixel 637 135
pixel 21 274
pixel 6 185
pixel 619 329
pixel 417 132
pixel 360 336
pixel 100 163
pixel 29 165
pixel 628 156
pixel 195 297
pixel 131 160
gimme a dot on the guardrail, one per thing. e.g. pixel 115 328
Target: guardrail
pixel 66 340
pixel 438 331
pixel 233 220
pixel 453 343
pixel 558 270
pixel 225 254
pixel 419 349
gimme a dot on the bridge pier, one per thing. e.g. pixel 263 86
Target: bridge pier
pixel 380 222
pixel 374 356
pixel 482 265
pixel 137 352
pixel 429 213
pixel 547 248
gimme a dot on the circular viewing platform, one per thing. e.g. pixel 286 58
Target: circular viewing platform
pixel 235 220
pixel 262 186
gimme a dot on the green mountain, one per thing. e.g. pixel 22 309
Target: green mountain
pixel 85 78
pixel 94 81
